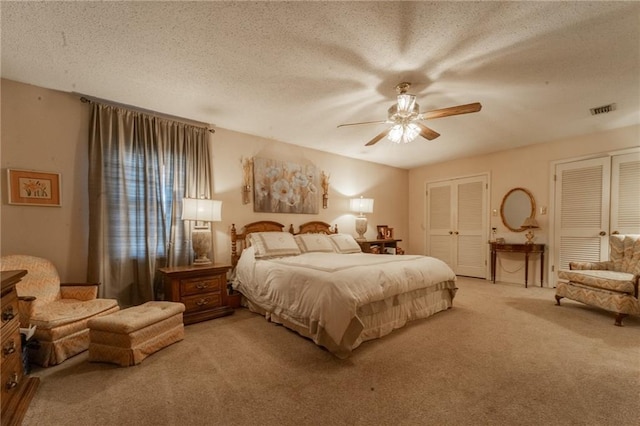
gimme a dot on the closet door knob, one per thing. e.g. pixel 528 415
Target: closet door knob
pixel 602 233
pixel 615 233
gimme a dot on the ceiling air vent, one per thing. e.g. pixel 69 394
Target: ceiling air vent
pixel 603 109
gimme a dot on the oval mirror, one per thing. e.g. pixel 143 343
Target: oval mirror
pixel 517 205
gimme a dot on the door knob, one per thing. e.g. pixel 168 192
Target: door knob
pixel 615 233
pixel 602 233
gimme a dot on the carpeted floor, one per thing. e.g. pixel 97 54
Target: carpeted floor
pixel 504 355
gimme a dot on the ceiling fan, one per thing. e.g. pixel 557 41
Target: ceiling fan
pixel 406 118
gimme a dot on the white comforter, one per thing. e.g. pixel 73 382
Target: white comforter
pixel 324 290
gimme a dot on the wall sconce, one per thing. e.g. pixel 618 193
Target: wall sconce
pixel 201 210
pixel 529 224
pixel 247 172
pixel 324 181
pixel 361 205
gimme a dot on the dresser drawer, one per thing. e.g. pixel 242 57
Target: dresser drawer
pixel 200 285
pixel 9 308
pixel 202 302
pixel 11 374
pixel 10 342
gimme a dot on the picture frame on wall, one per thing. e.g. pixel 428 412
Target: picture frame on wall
pixel 33 188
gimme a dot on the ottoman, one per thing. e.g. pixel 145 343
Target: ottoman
pixel 130 335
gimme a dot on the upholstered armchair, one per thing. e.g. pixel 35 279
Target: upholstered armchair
pixel 60 312
pixel 611 285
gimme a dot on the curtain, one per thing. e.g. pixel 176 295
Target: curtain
pixel 140 168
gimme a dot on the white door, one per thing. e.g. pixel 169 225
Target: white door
pixel 625 194
pixel 457 224
pixel 593 199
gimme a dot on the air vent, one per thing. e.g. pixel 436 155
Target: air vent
pixel 603 109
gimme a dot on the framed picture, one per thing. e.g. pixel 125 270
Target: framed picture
pixel 388 234
pixel 382 231
pixel 31 188
pixel 284 187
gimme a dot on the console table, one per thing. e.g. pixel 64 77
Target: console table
pixel 518 248
pixel 381 245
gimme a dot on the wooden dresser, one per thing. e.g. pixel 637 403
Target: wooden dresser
pixel 202 289
pixel 17 389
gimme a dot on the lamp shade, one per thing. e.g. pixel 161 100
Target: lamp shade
pixel 530 223
pixel 361 205
pixel 201 209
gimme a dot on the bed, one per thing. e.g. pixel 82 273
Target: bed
pixel 318 283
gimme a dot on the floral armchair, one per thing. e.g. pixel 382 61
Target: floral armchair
pixel 60 312
pixel 611 285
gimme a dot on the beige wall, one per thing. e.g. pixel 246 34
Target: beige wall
pixel 47 130
pixel 528 167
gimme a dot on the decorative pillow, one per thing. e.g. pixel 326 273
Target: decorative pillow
pixel 315 243
pixel 274 244
pixel 345 243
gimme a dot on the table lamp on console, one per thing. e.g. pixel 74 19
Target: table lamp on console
pixel 529 224
pixel 361 206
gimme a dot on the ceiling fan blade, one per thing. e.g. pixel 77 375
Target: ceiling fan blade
pixel 427 133
pixel 364 122
pixel 446 112
pixel 377 138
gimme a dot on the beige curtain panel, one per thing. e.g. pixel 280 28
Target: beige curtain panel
pixel 140 169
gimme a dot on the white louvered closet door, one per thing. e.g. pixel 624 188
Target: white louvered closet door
pixel 457 224
pixel 440 222
pixel 625 194
pixel 582 212
pixel 594 199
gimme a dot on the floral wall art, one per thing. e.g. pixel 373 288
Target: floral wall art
pixel 285 187
pixel 29 187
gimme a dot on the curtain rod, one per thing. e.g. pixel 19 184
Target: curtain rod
pixel 88 100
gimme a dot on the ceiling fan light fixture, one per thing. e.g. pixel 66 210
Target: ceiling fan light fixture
pixel 403 133
pixel 406 104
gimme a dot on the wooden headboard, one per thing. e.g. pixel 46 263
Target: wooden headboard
pixel 317 227
pixel 239 239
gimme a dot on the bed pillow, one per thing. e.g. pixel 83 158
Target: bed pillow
pixel 315 243
pixel 345 243
pixel 273 244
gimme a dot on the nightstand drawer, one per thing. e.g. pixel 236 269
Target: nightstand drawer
pixel 202 302
pixel 202 289
pixel 199 285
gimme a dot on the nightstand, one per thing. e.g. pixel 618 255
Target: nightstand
pixel 202 289
pixel 382 245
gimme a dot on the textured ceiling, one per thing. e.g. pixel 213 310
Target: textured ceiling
pixel 293 71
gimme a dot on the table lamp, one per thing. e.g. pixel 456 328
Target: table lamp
pixel 201 211
pixel 529 224
pixel 362 206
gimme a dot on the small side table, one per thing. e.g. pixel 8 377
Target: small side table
pixel 202 289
